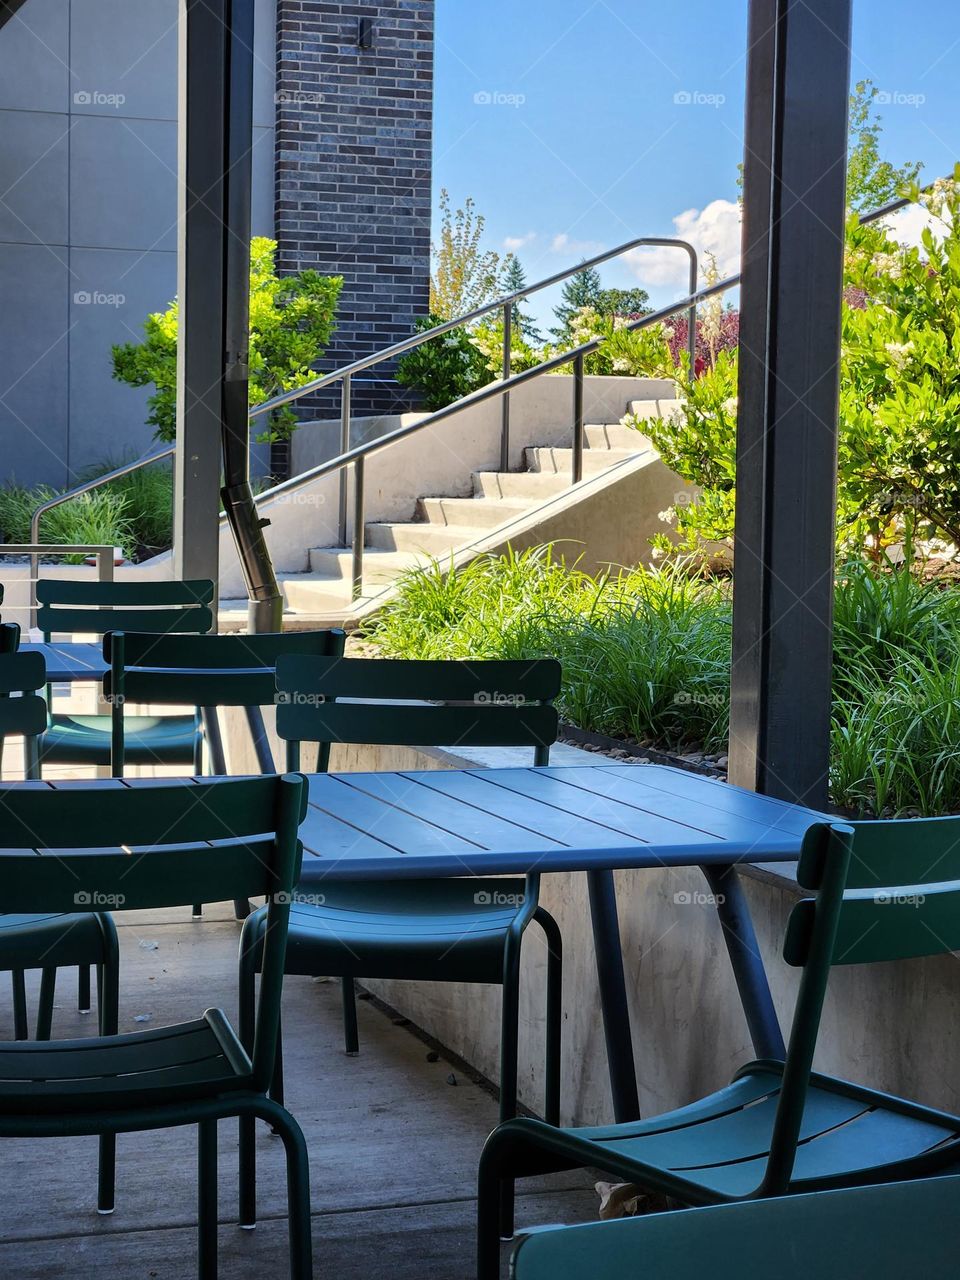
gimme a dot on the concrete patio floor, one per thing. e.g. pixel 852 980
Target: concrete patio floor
pixel 393 1144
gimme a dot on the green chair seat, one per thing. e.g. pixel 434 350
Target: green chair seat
pixel 720 1146
pixel 176 1064
pixel 50 940
pixel 79 740
pixel 449 929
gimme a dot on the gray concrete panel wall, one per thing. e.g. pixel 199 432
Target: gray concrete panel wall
pixel 88 206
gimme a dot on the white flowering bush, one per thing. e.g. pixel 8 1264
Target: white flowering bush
pixel 899 422
pixel 445 369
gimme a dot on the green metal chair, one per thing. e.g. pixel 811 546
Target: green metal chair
pixel 459 930
pixel 780 1127
pixel 173 841
pixel 49 940
pixel 167 669
pixel 98 607
pixel 884 1232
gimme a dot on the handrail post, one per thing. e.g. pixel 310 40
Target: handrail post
pixel 692 317
pixel 344 448
pixel 578 419
pixel 505 399
pixel 358 529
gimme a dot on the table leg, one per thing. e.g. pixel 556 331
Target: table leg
pixel 261 743
pixel 613 995
pixel 746 961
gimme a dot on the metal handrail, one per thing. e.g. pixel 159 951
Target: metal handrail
pixel 505 304
pixel 86 487
pixel 503 387
pixel 105 558
pixel 575 356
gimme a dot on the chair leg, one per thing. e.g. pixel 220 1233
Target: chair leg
pixel 351 1034
pixel 108 988
pixel 298 1193
pixel 207 1199
pixel 83 989
pixel 248 1132
pixel 20 1029
pixel 197 911
pixel 489 1229
pixel 551 930
pixel 276 1085
pixel 48 988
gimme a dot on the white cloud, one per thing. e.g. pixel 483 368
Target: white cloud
pixel 513 243
pixel 714 229
pixel 562 243
pixel 908 225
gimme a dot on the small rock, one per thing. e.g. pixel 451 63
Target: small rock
pixel 451 1078
pixel 722 762
pixel 143 1017
pixel 147 944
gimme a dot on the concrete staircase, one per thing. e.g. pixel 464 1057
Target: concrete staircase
pixel 444 526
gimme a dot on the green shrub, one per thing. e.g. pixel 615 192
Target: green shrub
pixel 148 493
pixel 445 369
pixel 99 517
pixel 291 323
pixel 646 656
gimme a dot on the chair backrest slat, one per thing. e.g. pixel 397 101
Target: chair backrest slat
pixel 901 897
pixel 23 674
pixel 97 607
pixel 95 846
pixel 483 703
pixel 209 670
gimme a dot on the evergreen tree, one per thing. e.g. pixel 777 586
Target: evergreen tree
pixel 515 278
pixel 580 290
pixel 623 302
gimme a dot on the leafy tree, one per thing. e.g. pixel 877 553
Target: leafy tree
pixel 579 291
pixel 515 279
pixel 465 276
pixel 871 182
pixel 291 323
pixel 445 369
pixel 623 302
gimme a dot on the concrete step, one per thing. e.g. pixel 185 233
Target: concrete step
pixel 534 486
pixel 477 513
pixel 654 408
pixel 433 539
pixel 335 564
pixel 613 435
pixel 560 461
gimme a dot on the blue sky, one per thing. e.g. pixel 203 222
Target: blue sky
pixel 562 119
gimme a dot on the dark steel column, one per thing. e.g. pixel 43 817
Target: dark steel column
pixel 200 288
pixel 266 601
pixel 794 184
pixel 216 114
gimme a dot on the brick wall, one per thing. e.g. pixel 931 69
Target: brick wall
pixel 354 132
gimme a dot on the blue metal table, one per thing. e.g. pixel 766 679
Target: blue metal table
pixel 591 818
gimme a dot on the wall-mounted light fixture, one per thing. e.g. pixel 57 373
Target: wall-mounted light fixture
pixel 365 33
